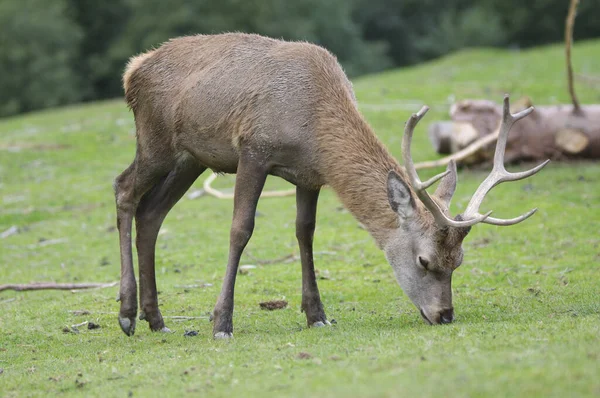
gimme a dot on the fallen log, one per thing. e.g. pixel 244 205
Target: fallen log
pixel 555 132
pixel 550 132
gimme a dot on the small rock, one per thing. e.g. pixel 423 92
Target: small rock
pixel 92 325
pixel 245 269
pixel 323 274
pixel 190 333
pixel 333 322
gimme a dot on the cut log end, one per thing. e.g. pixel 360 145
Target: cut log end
pixel 571 141
pixel 450 137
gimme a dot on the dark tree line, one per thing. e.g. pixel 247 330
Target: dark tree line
pixel 55 52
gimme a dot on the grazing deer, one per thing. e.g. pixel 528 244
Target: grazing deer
pixel 251 105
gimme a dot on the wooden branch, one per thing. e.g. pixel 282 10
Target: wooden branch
pixel 568 43
pixel 222 195
pixel 55 286
pixel 462 154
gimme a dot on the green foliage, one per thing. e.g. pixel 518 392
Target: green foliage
pixel 327 23
pixel 38 49
pixel 475 27
pixel 103 23
pixel 62 51
pixel 526 296
pixel 534 22
pixel 417 30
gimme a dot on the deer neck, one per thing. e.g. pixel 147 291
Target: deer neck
pixel 356 166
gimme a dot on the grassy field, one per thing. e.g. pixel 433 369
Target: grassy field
pixel 526 297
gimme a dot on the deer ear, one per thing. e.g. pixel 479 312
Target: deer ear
pixel 399 195
pixel 447 186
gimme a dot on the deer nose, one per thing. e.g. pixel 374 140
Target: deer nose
pixel 447 315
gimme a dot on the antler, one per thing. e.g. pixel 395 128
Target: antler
pixel 498 174
pixel 420 187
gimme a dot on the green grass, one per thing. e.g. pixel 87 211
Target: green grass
pixel 526 297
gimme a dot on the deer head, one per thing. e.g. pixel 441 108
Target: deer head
pixel 427 247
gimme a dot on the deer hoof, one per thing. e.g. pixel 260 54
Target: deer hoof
pixel 223 336
pixel 320 324
pixel 127 325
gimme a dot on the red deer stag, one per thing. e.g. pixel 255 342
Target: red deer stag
pixel 251 105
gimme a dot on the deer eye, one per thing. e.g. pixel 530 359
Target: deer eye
pixel 424 262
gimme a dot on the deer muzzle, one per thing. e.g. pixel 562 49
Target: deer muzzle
pixel 439 316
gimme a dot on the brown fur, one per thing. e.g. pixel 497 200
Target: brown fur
pixel 347 156
pixel 251 105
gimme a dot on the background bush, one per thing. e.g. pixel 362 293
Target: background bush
pixel 55 52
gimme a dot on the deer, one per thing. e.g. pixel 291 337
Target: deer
pixel 256 106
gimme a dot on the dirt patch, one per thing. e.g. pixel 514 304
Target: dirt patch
pixel 304 355
pixel 80 312
pixel 273 305
pixel 92 326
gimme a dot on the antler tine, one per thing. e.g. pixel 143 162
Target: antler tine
pixel 508 120
pixel 510 221
pixel 420 187
pixel 499 174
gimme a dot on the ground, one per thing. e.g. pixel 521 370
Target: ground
pixel 526 297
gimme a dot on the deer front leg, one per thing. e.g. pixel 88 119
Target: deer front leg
pixel 306 207
pixel 250 181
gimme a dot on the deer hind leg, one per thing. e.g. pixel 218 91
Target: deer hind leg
pixel 129 187
pixel 250 181
pixel 306 207
pixel 151 212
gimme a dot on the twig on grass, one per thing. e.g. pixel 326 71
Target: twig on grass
pixel 11 231
pixel 229 195
pixel 55 286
